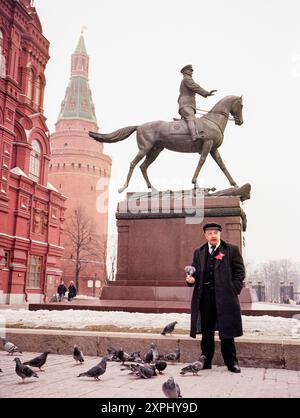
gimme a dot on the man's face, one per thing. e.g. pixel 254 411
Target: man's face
pixel 213 236
pixel 189 72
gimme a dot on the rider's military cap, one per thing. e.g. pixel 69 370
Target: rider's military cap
pixel 186 67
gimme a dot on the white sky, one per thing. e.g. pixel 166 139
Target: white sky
pixel 137 49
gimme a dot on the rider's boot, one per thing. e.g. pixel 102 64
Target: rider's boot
pixel 192 130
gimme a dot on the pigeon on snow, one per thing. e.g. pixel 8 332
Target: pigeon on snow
pixel 24 371
pixel 97 370
pixel 168 329
pixel 38 361
pixel 171 389
pixel 77 355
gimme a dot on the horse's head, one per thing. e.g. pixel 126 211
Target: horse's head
pixel 236 110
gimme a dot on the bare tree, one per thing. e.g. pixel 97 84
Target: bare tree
pixel 111 261
pixel 274 273
pixel 83 244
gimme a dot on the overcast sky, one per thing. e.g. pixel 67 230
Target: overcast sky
pixel 137 49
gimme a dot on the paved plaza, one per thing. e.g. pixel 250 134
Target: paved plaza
pixel 59 380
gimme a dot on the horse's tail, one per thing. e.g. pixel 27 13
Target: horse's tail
pixel 116 136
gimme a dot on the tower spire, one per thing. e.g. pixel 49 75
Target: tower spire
pixel 78 102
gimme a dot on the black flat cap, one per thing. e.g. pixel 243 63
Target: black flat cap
pixel 212 225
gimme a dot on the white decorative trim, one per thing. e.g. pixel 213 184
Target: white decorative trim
pixel 51 187
pixel 39 242
pixel 18 172
pixel 17 265
pixel 57 246
pixel 14 237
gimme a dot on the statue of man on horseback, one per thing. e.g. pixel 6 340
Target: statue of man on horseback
pixel 187 100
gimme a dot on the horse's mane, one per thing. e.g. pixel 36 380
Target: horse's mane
pixel 224 101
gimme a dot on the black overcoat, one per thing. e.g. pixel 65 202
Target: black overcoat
pixel 229 276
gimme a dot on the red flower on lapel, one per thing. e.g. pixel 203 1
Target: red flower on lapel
pixel 220 256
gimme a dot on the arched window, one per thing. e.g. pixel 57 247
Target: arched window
pixel 1 41
pixel 37 97
pixel 30 85
pixel 35 161
pixel 2 57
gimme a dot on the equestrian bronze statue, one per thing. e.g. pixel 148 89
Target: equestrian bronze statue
pixel 153 137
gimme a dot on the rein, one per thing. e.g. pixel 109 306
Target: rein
pixel 214 111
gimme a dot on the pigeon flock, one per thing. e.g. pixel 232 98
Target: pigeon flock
pixel 141 366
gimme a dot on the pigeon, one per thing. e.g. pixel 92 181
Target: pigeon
pixel 132 367
pixel 38 361
pixel 144 371
pixel 112 353
pixel 194 367
pixel 160 365
pixel 171 389
pixel 152 354
pixel 24 371
pixel 1 371
pixel 10 347
pixel 135 356
pixel 168 329
pixel 97 370
pixel 122 355
pixel 77 355
pixel 189 270
pixel 175 356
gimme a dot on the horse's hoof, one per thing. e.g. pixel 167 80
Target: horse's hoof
pixel 121 189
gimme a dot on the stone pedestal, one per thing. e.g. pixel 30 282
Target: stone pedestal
pixel 157 235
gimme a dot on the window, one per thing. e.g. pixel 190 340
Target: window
pixel 5 259
pixel 1 41
pixel 34 272
pixel 37 97
pixel 35 161
pixel 2 57
pixel 30 85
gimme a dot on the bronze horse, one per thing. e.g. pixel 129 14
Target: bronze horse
pixel 153 137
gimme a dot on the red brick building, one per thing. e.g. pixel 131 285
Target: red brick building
pixel 81 171
pixel 31 209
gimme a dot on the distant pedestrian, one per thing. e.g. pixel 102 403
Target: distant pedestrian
pixel 61 290
pixel 72 291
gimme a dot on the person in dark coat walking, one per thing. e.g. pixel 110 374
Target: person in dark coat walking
pixel 217 281
pixel 72 291
pixel 61 290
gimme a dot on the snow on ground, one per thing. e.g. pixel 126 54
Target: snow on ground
pixel 264 326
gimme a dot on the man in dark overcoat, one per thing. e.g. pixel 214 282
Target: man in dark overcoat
pixel 217 281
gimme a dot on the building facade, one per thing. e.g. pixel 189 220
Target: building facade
pixel 81 171
pixel 31 209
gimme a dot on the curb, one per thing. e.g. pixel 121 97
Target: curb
pixel 283 354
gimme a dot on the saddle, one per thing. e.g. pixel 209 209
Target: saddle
pixel 178 127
